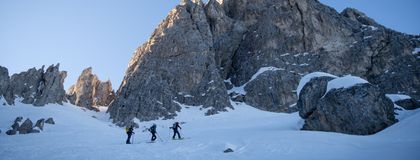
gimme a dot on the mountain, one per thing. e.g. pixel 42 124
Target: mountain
pixel 90 92
pixel 205 54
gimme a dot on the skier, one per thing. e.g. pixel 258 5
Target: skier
pixel 152 130
pixel 175 127
pixel 129 131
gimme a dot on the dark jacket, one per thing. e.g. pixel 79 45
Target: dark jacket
pixel 152 129
pixel 175 126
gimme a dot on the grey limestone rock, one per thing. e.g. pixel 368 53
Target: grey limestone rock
pixel 228 150
pixel 310 95
pixel 272 91
pixel 35 86
pixel 4 82
pixel 40 123
pixel 11 132
pixel 15 126
pixel 362 110
pixel 50 121
pixel 26 127
pixel 89 92
pixel 176 66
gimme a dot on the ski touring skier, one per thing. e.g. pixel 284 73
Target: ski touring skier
pixel 175 127
pixel 152 130
pixel 129 131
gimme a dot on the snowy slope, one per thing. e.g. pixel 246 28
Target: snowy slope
pixel 253 134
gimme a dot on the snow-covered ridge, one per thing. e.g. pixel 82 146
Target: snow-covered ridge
pixel 397 97
pixel 344 82
pixel 305 79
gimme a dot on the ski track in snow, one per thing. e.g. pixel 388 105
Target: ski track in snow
pixel 251 133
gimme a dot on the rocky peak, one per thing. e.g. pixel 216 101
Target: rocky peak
pixel 175 67
pixel 89 92
pixel 35 86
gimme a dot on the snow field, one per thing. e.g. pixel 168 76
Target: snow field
pixel 251 133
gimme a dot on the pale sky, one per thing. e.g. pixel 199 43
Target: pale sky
pixel 104 33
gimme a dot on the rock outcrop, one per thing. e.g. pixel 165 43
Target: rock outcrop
pixel 35 86
pixel 89 92
pixel 4 81
pixel 25 127
pixel 359 108
pixel 50 121
pixel 40 123
pixel 11 132
pixel 176 65
pixel 199 46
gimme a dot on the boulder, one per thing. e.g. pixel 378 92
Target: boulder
pixel 228 150
pixel 40 123
pixel 50 121
pixel 408 104
pixel 310 94
pixel 11 132
pixel 26 127
pixel 361 109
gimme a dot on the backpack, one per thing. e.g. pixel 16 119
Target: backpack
pixel 153 128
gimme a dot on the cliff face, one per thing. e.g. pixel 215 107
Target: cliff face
pixel 175 66
pixel 89 92
pixel 37 87
pixel 198 47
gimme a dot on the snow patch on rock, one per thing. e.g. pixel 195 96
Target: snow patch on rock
pixel 305 79
pixel 241 89
pixel 397 97
pixel 344 82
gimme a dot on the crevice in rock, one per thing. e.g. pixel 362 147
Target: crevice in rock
pixel 303 26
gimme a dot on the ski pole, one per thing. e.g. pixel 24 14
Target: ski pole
pixel 159 137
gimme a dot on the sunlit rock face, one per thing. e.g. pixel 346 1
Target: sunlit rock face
pixel 89 92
